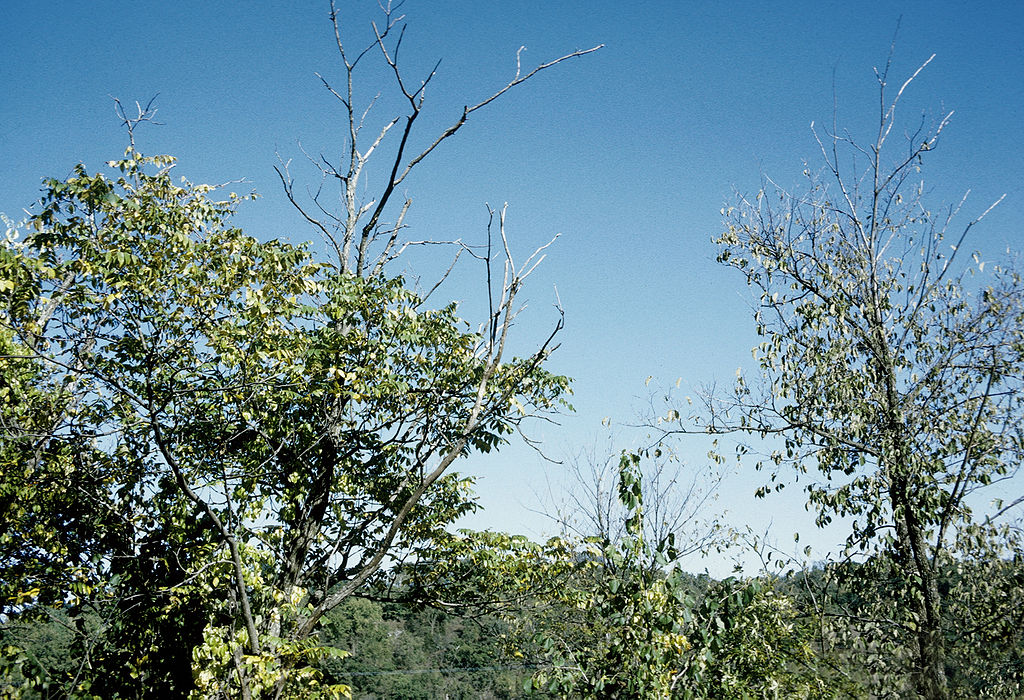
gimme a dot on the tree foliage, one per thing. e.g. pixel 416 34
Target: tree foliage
pixel 891 367
pixel 243 414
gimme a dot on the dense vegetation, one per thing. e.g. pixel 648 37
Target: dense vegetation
pixel 227 464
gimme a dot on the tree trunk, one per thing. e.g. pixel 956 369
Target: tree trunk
pixel 911 552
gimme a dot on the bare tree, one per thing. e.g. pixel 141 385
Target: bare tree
pixel 676 499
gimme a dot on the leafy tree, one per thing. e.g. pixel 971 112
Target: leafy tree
pixel 891 366
pixel 307 417
pixel 257 433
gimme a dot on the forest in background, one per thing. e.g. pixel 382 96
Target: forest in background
pixel 229 465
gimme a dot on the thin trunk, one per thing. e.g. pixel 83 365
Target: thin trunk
pixel 911 551
pixel 304 531
pixel 911 544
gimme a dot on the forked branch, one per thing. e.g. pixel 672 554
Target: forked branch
pixel 352 234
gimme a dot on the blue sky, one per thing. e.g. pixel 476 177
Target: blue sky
pixel 628 153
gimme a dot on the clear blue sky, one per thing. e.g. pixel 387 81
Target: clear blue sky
pixel 628 153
